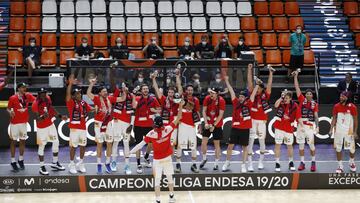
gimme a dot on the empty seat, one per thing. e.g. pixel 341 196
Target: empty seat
pixel 232 24
pixel 49 8
pixel 17 8
pixel 280 24
pixel 133 24
pixel 244 8
pixel 168 40
pixel 79 36
pixel 197 37
pixel 276 8
pixel 295 21
pixel 228 8
pixel 33 24
pixel 83 24
pixel 48 58
pixel 149 24
pixel 196 8
pixel 134 40
pixel 17 24
pixel 180 8
pixel 100 41
pixel 165 8
pixel 15 40
pixel 83 8
pixel 283 40
pixel 29 35
pixel 259 57
pixel 147 8
pixel 99 24
pixel 286 57
pixel 216 24
pixel 98 8
pixel 65 55
pixel 355 24
pixel 15 58
pixel 33 8
pixel 252 39
pixel 49 24
pixel 273 57
pixel 48 40
pixel 358 40
pixel 261 8
pixel 67 24
pixel 234 38
pixel 132 8
pixel 199 24
pixel 67 8
pixel 307 43
pixel 292 8
pixel 182 36
pixel 351 8
pixel 265 24
pixel 183 24
pixel 171 54
pixel 309 58
pixel 248 24
pixel 167 24
pixel 117 24
pixel 116 8
pixel 138 54
pixel 269 41
pixel 115 35
pixel 148 36
pixel 213 8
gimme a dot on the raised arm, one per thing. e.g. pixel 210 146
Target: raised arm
pixel 178 81
pixel 160 49
pixel 69 87
pixel 277 103
pixel 270 80
pixel 89 90
pixel 296 83
pixel 231 90
pixel 155 85
pixel 179 115
pixel 253 94
pixel 250 79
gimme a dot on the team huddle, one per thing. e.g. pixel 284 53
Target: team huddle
pixel 168 123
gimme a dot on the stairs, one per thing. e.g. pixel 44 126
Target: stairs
pixel 4 23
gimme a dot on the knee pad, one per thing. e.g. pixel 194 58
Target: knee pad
pixel 55 146
pixel 170 179
pixel 302 146
pixel 262 145
pixel 41 150
pixel 157 181
pixel 193 153
pixel 312 147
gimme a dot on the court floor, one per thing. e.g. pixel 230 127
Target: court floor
pixel 254 196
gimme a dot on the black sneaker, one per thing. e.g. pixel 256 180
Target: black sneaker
pixel 178 168
pixel 14 167
pixel 21 164
pixel 216 167
pixel 202 164
pixel 277 167
pixel 291 166
pixel 194 168
pixel 43 171
pixel 57 166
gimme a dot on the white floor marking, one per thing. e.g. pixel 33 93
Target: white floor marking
pixel 191 197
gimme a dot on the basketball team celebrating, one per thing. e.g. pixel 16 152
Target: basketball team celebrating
pixel 167 123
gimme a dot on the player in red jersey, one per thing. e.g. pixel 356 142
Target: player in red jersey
pixel 78 112
pixel 344 125
pixel 259 116
pixel 241 123
pixel 46 130
pixel 213 114
pixel 190 118
pixel 308 123
pixel 19 115
pixel 123 115
pixel 286 111
pixel 145 108
pixel 160 137
pixel 103 122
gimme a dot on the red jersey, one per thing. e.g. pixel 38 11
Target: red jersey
pixel 41 107
pixel 103 109
pixel 213 108
pixel 143 113
pixel 169 108
pixel 287 119
pixel 241 117
pixel 187 116
pixel 257 110
pixel 161 141
pixel 344 115
pixel 78 113
pixel 306 110
pixel 120 111
pixel 20 106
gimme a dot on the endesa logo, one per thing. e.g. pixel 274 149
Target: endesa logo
pixel 56 181
pixel 8 182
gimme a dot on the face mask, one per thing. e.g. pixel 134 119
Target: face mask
pixel 84 44
pixel 32 44
pixel 241 43
pixel 168 80
pixel 224 40
pixel 141 79
pixel 298 31
pixel 203 43
pixel 197 80
pixel 218 80
pixel 119 44
pixel 186 43
pixel 153 42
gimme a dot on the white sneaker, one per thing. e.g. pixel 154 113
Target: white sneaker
pixel 147 163
pixel 72 168
pixel 340 169
pixel 261 165
pixel 352 167
pixel 250 167
pixel 243 168
pixel 81 167
pixel 127 169
pixel 225 166
pixel 172 199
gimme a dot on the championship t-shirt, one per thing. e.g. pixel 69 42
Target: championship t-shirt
pixel 345 120
pixel 301 99
pixel 161 141
pixel 170 106
pixel 237 116
pixel 100 115
pixel 76 110
pixel 122 113
pixel 257 111
pixel 41 107
pixel 284 123
pixel 143 113
pixel 213 108
pixel 20 106
pixel 187 116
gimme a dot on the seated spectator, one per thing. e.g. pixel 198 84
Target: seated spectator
pixel 240 47
pixel 186 51
pixel 140 80
pixel 348 84
pixel 84 51
pixel 241 73
pixel 223 49
pixel 219 84
pixel 152 50
pixel 204 50
pixel 119 51
pixel 195 82
pixel 169 82
pixel 31 56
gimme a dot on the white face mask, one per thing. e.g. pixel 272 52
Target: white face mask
pixel 153 42
pixel 84 44
pixel 141 79
pixel 224 40
pixel 187 43
pixel 241 43
pixel 32 44
pixel 168 81
pixel 298 31
pixel 197 80
pixel 203 43
pixel 218 80
pixel 119 44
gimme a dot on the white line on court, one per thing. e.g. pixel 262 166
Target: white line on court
pixel 191 197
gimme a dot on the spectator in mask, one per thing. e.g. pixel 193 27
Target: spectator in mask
pixel 219 84
pixel 186 51
pixel 195 82
pixel 204 49
pixel 152 50
pixel 297 41
pixel 240 47
pixel 84 52
pixel 119 51
pixel 348 85
pixel 140 80
pixel 169 82
pixel 241 73
pixel 223 49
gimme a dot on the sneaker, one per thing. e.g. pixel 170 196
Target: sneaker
pixel 313 166
pixel 301 166
pixel 81 167
pixel 226 166
pixel 139 169
pixel 243 168
pixel 216 167
pixel 21 164
pixel 172 199
pixel 147 163
pixel 291 166
pixel 14 167
pixel 57 166
pixel 127 169
pixel 178 168
pixel 250 167
pixel 352 167
pixel 194 168
pixel 202 164
pixel 261 165
pixel 156 201
pixel 113 166
pixel 108 168
pixel 339 169
pixel 72 168
pixel 43 171
pixel 277 167
pixel 99 169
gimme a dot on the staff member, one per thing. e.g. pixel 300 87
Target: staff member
pixel 152 50
pixel 84 51
pixel 223 49
pixel 297 41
